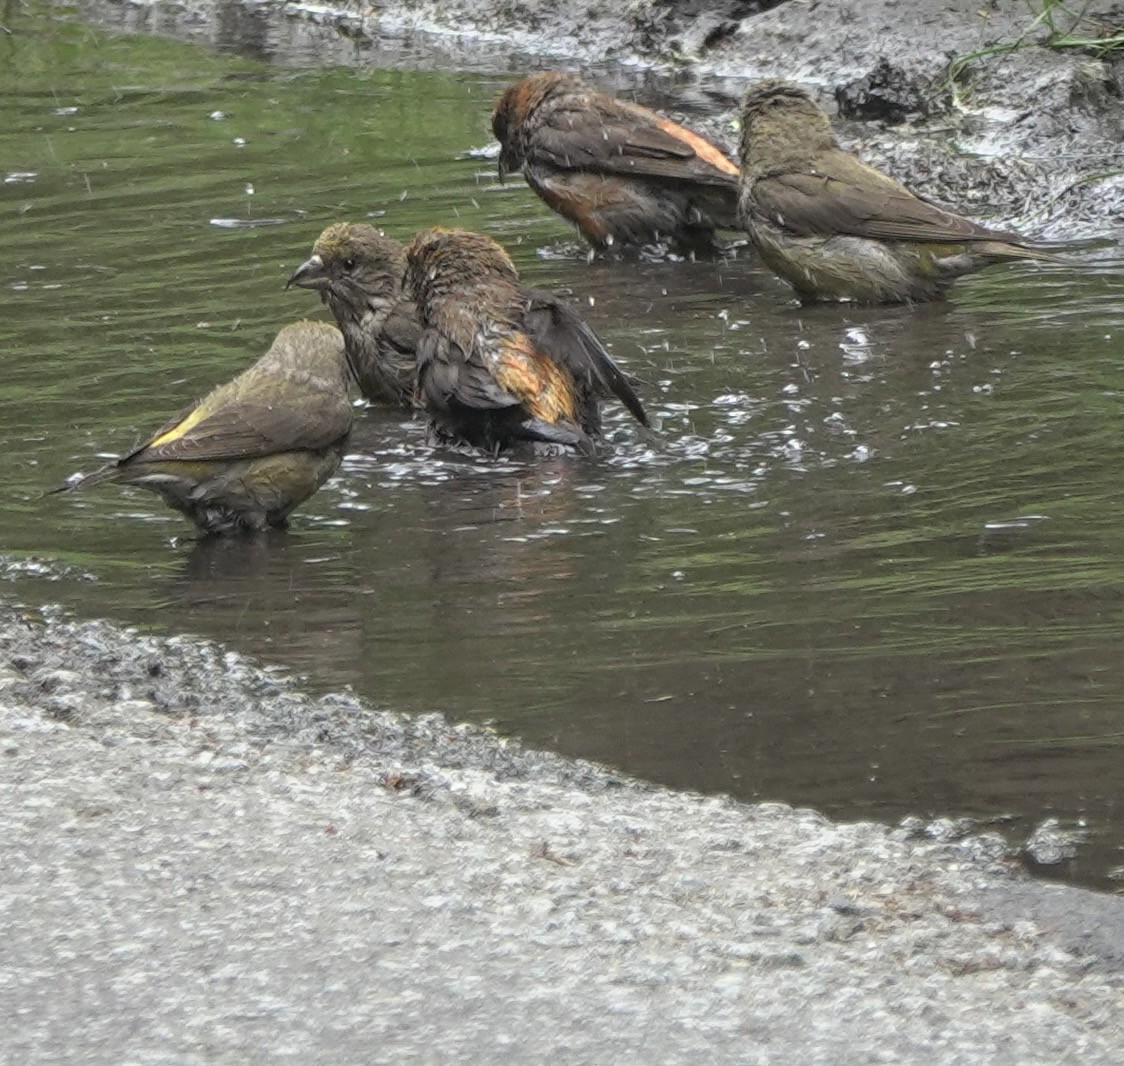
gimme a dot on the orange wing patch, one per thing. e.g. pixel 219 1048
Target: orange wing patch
pixel 701 147
pixel 540 384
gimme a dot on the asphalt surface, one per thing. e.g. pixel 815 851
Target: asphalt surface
pixel 202 865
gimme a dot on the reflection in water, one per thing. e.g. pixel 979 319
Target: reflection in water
pixel 297 600
pixel 871 562
pixel 244 30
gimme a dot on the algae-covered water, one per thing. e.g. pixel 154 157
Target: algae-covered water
pixel 873 563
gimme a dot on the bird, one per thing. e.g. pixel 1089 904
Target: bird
pixel 485 378
pixel 359 273
pixel 357 270
pixel 837 229
pixel 242 458
pixel 630 180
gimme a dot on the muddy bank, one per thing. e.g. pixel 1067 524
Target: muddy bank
pixel 983 107
pixel 1017 134
pixel 202 864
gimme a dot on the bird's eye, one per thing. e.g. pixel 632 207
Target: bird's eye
pixel 349 265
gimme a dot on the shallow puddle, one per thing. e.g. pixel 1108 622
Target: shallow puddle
pixel 873 562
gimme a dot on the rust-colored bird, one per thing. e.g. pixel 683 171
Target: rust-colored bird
pixel 358 271
pixel 485 378
pixel 249 452
pixel 837 229
pixel 629 179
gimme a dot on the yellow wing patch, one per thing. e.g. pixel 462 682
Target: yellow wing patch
pixel 541 386
pixel 197 415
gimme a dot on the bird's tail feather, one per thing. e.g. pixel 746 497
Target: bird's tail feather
pixel 1081 244
pixel 562 432
pixel 610 376
pixel 105 473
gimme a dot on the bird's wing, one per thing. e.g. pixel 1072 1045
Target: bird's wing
pixel 519 373
pixel 447 377
pixel 244 429
pixel 613 137
pixel 520 380
pixel 559 330
pixel 402 331
pixel 844 196
pixel 398 344
pixel 166 428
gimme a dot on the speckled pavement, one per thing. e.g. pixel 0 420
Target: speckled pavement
pixel 202 865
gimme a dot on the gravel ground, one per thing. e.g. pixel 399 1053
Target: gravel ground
pixel 203 865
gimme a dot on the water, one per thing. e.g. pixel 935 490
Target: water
pixel 873 564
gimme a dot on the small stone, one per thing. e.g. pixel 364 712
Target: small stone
pixel 1051 843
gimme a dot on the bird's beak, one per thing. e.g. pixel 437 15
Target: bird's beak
pixel 507 162
pixel 309 275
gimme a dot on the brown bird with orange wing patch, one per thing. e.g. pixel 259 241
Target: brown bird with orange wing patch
pixel 629 179
pixel 483 376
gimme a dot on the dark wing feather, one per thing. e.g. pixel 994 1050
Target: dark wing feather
pixel 448 378
pixel 851 198
pixel 246 430
pixel 559 330
pixel 398 345
pixel 402 332
pixel 612 137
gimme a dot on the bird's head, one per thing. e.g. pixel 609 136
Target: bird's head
pixel 782 119
pixel 456 265
pixel 307 351
pixel 352 263
pixel 515 107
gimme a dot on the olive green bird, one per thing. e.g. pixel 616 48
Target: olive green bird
pixel 252 450
pixel 837 229
pixel 358 270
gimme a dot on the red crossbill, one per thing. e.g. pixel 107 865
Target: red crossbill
pixel 358 271
pixel 837 229
pixel 482 375
pixel 627 178
pixel 248 453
